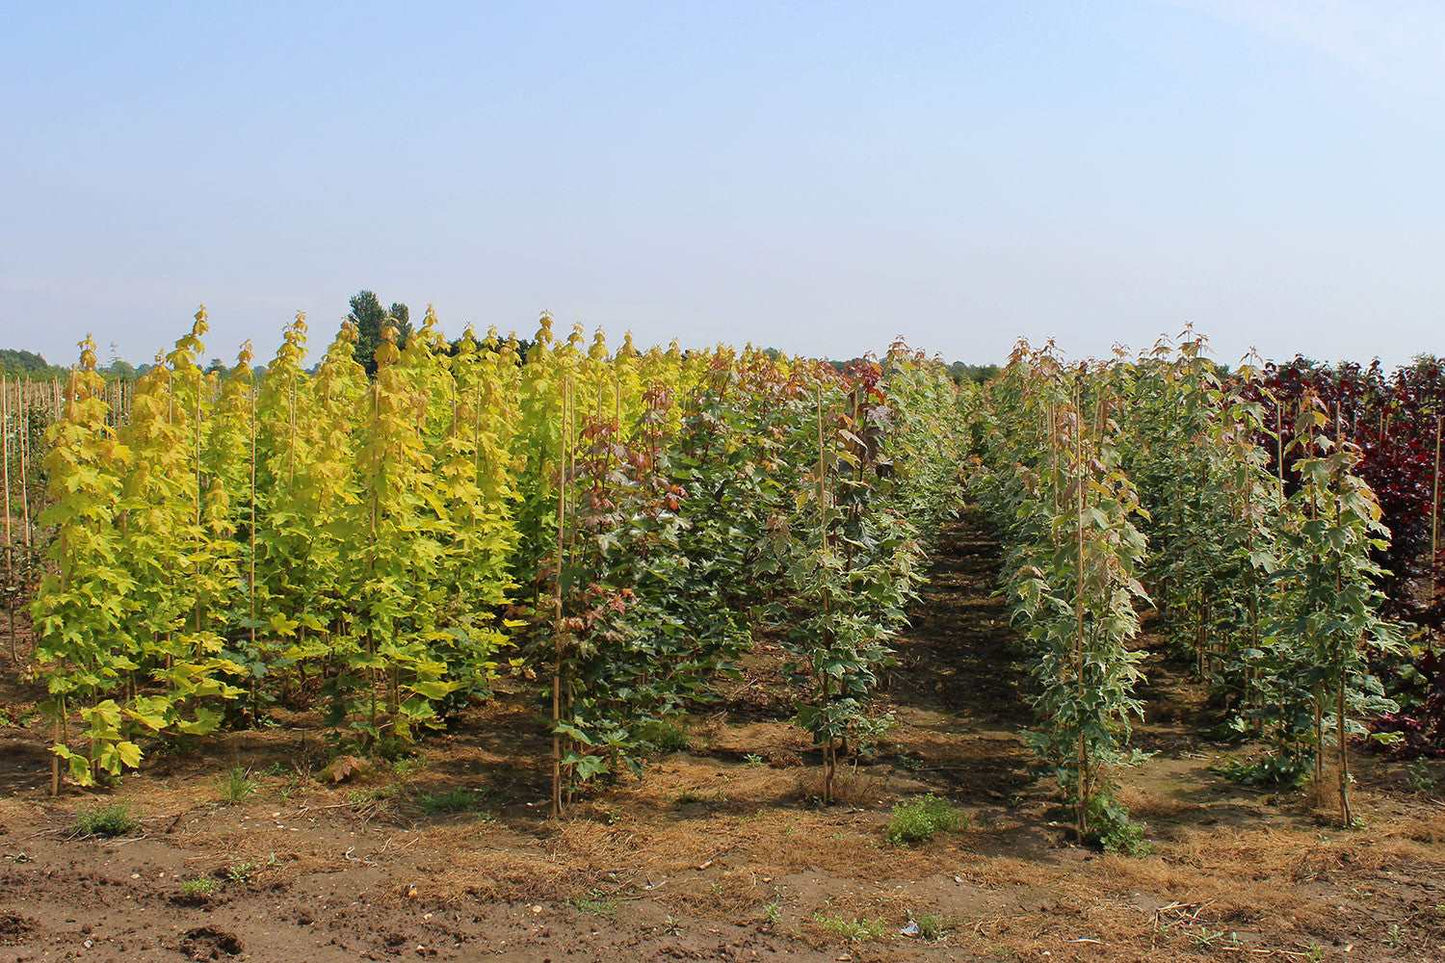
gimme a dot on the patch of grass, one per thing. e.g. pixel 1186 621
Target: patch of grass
pixel 691 797
pixel 240 872
pixel 393 748
pixel 1420 778
pixel 404 768
pixel 933 927
pixel 112 820
pixel 459 800
pixel 19 721
pixel 1272 771
pixel 1126 839
pixel 919 819
pixel 596 903
pixel 237 786
pixel 361 798
pixel 198 888
pixel 855 930
pixel 291 787
pixel 664 736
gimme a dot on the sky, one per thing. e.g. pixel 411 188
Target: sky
pixel 817 177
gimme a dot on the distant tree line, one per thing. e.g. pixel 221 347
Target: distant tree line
pixel 16 363
pixel 369 315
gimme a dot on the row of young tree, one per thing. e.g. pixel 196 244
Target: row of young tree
pixel 1397 420
pixel 1265 558
pixel 618 524
pixel 27 407
pixel 1051 476
pixel 1160 484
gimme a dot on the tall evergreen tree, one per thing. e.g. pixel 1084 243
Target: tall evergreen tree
pixel 369 316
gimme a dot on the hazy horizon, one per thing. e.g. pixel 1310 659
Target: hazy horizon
pixel 817 179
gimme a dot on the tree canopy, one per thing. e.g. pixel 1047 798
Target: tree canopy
pixel 369 316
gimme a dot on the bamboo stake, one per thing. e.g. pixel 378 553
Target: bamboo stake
pixel 1081 803
pixel 251 580
pixel 5 461
pixel 830 762
pixel 9 543
pixel 25 473
pixel 557 607
pixel 1279 446
pixel 200 525
pixel 1081 788
pixel 1343 744
pixel 1435 521
pixel 55 760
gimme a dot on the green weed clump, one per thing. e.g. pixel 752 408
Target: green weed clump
pixel 856 930
pixel 112 820
pixel 1114 831
pixel 663 736
pixel 458 800
pixel 237 786
pixel 199 888
pixel 1127 839
pixel 596 903
pixel 919 819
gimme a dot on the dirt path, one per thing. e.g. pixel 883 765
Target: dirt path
pixel 718 854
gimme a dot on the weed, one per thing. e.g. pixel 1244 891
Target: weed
pixel 292 786
pixel 773 912
pixel 689 797
pixel 459 800
pixel 361 798
pixel 112 820
pixel 664 736
pixel 921 818
pixel 868 732
pixel 1113 830
pixel 1420 778
pixel 240 872
pixel 596 903
pixel 1277 771
pixel 932 927
pixel 198 888
pixel 237 786
pixel 856 930
pixel 754 761
pixel 393 748
pixel 1205 938
pixel 406 767
pixel 1126 839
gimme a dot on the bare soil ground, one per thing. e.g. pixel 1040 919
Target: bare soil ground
pixel 718 853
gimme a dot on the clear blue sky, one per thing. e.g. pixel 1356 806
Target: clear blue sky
pixel 818 177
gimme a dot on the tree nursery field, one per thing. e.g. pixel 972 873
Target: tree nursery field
pixel 549 650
